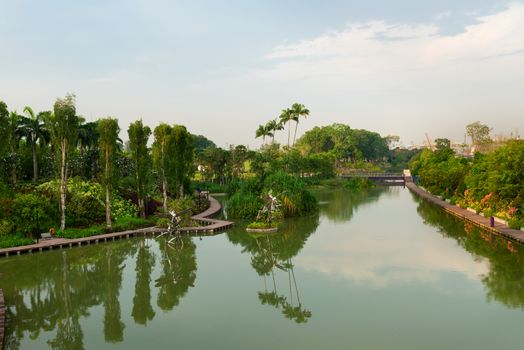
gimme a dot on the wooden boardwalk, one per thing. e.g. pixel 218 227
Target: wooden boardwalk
pixel 2 319
pixel 479 220
pixel 208 226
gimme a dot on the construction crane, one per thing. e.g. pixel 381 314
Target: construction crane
pixel 429 143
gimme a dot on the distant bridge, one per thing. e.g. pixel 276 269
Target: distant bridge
pixel 390 179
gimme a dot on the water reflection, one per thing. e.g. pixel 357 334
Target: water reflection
pixel 272 254
pixel 51 293
pixel 503 280
pixel 339 205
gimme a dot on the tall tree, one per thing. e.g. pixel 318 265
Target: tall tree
pixel 298 110
pixel 63 125
pixel 32 127
pixel 162 134
pixel 13 139
pixel 273 126
pixel 181 157
pixel 261 132
pixel 4 133
pixel 286 117
pixel 138 137
pixel 108 130
pixel 479 134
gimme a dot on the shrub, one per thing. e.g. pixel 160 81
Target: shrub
pixel 32 212
pixel 121 207
pixel 243 205
pixel 515 223
pixel 296 199
pixel 6 227
pixel 15 240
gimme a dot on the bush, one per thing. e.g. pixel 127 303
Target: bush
pixel 243 205
pixel 292 192
pixel 32 212
pixel 121 207
pixel 16 240
pixel 515 223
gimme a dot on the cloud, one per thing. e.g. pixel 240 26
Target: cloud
pixel 389 48
pixel 383 261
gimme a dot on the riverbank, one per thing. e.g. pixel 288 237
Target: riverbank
pixel 2 318
pixel 479 220
pixel 208 226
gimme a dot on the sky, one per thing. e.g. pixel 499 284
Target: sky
pixel 221 68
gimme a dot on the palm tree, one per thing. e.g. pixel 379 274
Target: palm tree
pixel 32 127
pixel 261 132
pixel 88 135
pixel 285 117
pixel 298 110
pixel 273 126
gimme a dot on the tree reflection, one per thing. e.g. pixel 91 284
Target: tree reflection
pixel 142 309
pixel 271 253
pixel 178 272
pixel 52 291
pixel 339 204
pixel 504 281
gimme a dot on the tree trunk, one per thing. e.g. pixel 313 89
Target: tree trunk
pixel 35 163
pixel 164 181
pixel 142 208
pixel 181 190
pixel 164 191
pixel 62 185
pixel 288 132
pixel 108 207
pixel 13 166
pixel 295 134
pixel 108 197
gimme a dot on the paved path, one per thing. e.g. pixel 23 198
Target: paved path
pixel 207 226
pixel 467 215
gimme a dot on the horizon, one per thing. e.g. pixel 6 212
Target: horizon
pixel 396 69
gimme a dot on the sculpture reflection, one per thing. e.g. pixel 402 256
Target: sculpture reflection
pixel 271 253
pixel 178 272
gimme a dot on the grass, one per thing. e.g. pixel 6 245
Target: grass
pixel 7 241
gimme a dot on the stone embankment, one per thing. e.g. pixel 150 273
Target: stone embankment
pixel 479 220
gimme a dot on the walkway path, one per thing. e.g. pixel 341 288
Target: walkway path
pixel 207 226
pixel 467 215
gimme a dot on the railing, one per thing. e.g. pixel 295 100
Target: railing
pixel 372 175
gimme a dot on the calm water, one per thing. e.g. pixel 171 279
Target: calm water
pixel 377 270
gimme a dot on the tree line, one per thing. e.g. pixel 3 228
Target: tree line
pixel 59 145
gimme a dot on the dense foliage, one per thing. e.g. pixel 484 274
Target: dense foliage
pixel 492 183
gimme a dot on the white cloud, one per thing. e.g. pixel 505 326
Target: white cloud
pixel 377 46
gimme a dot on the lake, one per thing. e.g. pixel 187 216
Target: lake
pixel 379 269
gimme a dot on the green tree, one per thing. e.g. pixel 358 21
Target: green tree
pixel 63 125
pixel 138 137
pixel 262 131
pixel 273 126
pixel 298 111
pixel 162 134
pixel 442 143
pixel 33 128
pixel 181 157
pixel 285 118
pixel 108 130
pixel 479 134
pixel 4 133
